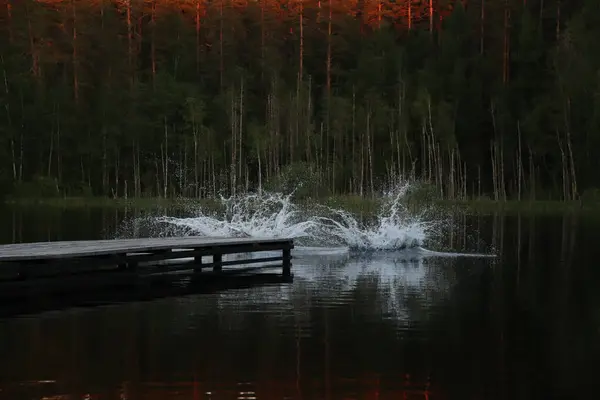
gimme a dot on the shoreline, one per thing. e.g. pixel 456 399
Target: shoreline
pixel 350 203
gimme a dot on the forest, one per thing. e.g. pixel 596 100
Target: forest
pixel 494 99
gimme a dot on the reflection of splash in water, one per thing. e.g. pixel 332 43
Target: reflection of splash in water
pixel 402 286
pixel 275 215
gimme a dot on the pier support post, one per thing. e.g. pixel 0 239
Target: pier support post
pixel 197 264
pixel 217 262
pixel 287 262
pixel 132 265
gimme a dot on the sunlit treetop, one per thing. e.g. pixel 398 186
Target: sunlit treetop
pixel 371 12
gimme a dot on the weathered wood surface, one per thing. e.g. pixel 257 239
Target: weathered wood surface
pixel 23 252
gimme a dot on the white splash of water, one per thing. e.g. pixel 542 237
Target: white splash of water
pixel 275 215
pixel 394 227
pixel 267 215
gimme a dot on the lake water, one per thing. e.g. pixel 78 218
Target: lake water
pixel 523 325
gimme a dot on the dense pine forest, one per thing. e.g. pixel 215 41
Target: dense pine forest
pixel 495 98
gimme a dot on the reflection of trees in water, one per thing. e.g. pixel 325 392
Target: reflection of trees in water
pixel 539 301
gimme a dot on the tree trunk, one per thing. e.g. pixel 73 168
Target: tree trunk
pixel 431 17
pixel 409 6
pixel 506 55
pixel 301 39
pixel 329 29
pixel 130 41
pixel 221 68
pixel 259 170
pixel 482 32
pixel 241 127
pixel 153 43
pixel 75 59
pixel 32 47
pixel 9 16
pixel 198 37
pixel 8 113
pixel 165 161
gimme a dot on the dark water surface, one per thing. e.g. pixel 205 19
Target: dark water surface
pixel 522 326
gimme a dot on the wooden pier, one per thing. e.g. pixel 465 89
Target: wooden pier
pixel 65 264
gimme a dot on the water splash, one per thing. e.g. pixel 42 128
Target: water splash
pixel 267 215
pixel 276 215
pixel 394 227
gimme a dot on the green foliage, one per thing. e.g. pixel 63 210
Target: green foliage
pixel 6 186
pixel 81 190
pixel 423 194
pixel 39 187
pixel 591 196
pixel 301 178
pixel 157 102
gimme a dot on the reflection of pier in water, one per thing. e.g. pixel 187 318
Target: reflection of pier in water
pixel 176 286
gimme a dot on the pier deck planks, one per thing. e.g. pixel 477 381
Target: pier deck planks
pixel 40 251
pixel 111 261
pixel 32 269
